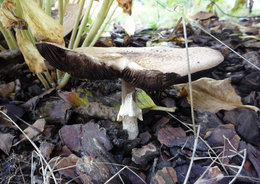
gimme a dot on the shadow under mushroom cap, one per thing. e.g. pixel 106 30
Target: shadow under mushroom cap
pixel 149 68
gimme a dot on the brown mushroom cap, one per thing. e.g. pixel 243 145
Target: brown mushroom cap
pixel 150 68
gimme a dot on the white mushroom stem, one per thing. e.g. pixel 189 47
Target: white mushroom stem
pixel 129 111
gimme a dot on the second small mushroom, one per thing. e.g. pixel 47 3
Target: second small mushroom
pixel 150 68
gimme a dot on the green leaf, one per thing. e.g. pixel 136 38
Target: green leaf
pixel 170 2
pixel 143 101
pixel 198 2
pixel 210 6
pixel 238 6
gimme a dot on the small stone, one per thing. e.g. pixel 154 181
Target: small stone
pixel 142 156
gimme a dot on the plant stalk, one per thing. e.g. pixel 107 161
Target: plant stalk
pixel 61 11
pixel 48 7
pixel 72 38
pixel 83 24
pixel 43 81
pixel 98 22
pixel 103 26
pixel 9 37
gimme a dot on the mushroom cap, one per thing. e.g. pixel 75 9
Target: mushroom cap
pixel 150 68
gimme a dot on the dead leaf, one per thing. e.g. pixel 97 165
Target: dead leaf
pixel 6 142
pixel 166 175
pixel 6 89
pixel 31 55
pixel 203 15
pixel 126 5
pixel 74 98
pixel 213 95
pixel 92 170
pixel 212 176
pixel 35 129
pixel 43 26
pixel 69 18
pixel 66 165
pixel 8 17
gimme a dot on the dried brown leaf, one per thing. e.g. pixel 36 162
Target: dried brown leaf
pixel 31 55
pixel 213 95
pixel 6 142
pixel 35 129
pixel 66 165
pixel 6 89
pixel 43 26
pixel 8 18
pixel 126 5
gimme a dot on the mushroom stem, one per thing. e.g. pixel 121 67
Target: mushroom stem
pixel 129 111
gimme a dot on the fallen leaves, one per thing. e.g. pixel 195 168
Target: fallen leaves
pixel 213 95
pixel 8 18
pixel 126 5
pixel 42 26
pixel 31 55
pixel 6 89
pixel 34 129
pixel 6 142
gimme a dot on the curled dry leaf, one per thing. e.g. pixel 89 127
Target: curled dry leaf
pixel 31 55
pixel 213 95
pixel 8 18
pixel 126 5
pixel 43 26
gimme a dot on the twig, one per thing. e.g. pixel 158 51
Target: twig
pixel 117 173
pixel 204 30
pixel 192 157
pixel 189 71
pixel 188 126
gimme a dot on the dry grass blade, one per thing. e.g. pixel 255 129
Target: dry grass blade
pixel 118 173
pixel 204 30
pixel 34 145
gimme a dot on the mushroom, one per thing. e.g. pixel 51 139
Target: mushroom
pixel 150 68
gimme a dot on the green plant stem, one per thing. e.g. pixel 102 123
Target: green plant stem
pixel 43 81
pixel 40 3
pixel 61 11
pixel 65 2
pixel 83 24
pixel 72 38
pixel 49 78
pixel 64 81
pixel 103 26
pixel 2 48
pixel 19 12
pixel 9 37
pixel 98 22
pixel 48 7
